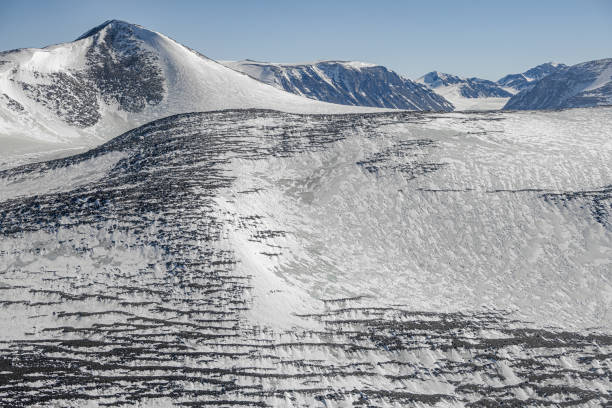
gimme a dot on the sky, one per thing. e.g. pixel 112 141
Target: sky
pixel 487 39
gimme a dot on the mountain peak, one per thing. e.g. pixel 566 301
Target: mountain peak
pixel 119 75
pixel 437 78
pixel 526 79
pixel 116 24
pixel 550 64
pixel 582 85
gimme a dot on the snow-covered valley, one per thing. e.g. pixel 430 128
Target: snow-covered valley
pixel 253 257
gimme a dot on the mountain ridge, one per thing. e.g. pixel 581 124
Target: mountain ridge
pixel 528 78
pixel 583 85
pixel 345 82
pixel 472 87
pixel 466 93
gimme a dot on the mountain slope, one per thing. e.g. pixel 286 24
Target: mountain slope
pixel 466 93
pixel 259 258
pixel 582 85
pixel 528 78
pixel 345 82
pixel 118 76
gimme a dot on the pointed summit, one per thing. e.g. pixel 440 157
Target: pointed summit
pixel 435 79
pixel 114 24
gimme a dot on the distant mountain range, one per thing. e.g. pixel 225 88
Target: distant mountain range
pixel 528 78
pixel 346 83
pixel 364 84
pixel 467 93
pixel 467 87
pixel 582 85
pixel 477 93
pixel 547 86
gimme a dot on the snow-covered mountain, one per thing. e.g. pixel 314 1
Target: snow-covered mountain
pixel 582 85
pixel 466 93
pixel 528 78
pixel 115 77
pixel 345 82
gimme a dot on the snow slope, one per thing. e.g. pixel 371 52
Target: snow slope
pixel 452 213
pixel 345 82
pixel 253 258
pixel 113 78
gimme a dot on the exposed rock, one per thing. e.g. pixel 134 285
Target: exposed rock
pixel 347 83
pixel 582 85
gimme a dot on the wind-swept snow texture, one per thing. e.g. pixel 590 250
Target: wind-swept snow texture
pixel 347 83
pixel 261 258
pixel 114 78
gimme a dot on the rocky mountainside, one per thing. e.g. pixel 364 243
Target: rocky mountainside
pixel 582 85
pixel 345 82
pixel 118 76
pixel 528 78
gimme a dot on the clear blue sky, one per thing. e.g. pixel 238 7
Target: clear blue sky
pixel 470 38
